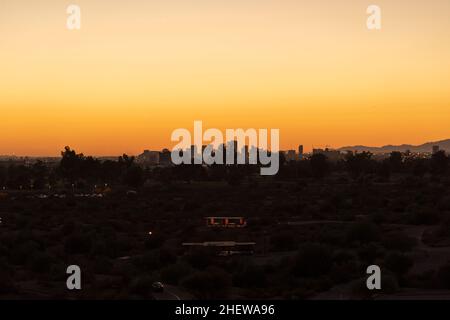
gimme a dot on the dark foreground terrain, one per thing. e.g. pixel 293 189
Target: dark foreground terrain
pixel 316 228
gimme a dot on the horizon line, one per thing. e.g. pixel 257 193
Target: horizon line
pixel 284 149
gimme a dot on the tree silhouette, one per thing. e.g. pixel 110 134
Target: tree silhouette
pixel 396 161
pixel 134 176
pixel 70 164
pixel 358 163
pixel 319 165
pixel 419 167
pixel 40 174
pixel 439 162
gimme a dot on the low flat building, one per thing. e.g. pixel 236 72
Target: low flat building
pixel 332 155
pixel 224 248
pixel 226 222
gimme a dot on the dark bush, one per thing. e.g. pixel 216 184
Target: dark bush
pixel 312 261
pixel 250 276
pixel 212 283
pixel 399 241
pixel 283 241
pixel 173 273
pixel 443 276
pixel 398 263
pixel 363 232
pixel 78 244
pixel 40 262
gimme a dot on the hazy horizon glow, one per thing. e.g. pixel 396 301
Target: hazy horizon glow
pixel 137 70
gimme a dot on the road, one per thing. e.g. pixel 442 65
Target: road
pixel 172 293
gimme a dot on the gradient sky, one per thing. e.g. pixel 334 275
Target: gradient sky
pixel 139 69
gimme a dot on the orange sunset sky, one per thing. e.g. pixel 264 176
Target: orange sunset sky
pixel 139 69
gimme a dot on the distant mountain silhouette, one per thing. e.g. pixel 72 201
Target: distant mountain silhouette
pixel 426 147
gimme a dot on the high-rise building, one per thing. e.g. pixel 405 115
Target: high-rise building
pixel 231 152
pixel 290 155
pixel 253 155
pixel 222 150
pixel 435 149
pixel 300 152
pixel 246 154
pixel 209 155
pixel 196 155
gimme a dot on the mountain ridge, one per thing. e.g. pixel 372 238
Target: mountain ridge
pixel 425 147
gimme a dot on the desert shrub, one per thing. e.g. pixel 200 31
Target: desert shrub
pixel 368 253
pixel 398 263
pixel 6 284
pixel 345 266
pixel 102 265
pixel 312 260
pixel 153 242
pixel 363 232
pixel 213 283
pixel 105 248
pixel 426 216
pixel 199 258
pixel 443 276
pixel 167 256
pixel 40 262
pixel 21 253
pixel 148 261
pixel 283 241
pixel 389 285
pixel 173 273
pixel 399 241
pixel 141 286
pixel 250 276
pixel 78 244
